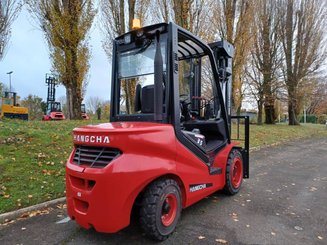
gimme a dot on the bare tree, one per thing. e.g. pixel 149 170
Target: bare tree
pixel 9 10
pixel 232 19
pixel 266 56
pixel 66 25
pixel 164 10
pixel 254 85
pixel 193 15
pixel 93 103
pixel 302 28
pixel 115 15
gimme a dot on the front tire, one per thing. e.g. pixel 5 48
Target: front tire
pixel 234 172
pixel 161 209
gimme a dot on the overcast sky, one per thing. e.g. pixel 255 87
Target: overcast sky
pixel 27 56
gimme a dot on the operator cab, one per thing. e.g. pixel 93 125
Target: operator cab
pixel 53 107
pixel 10 98
pixel 164 74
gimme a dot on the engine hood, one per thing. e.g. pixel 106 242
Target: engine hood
pixel 120 133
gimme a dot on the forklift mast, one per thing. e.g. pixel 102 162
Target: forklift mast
pixel 52 82
pixel 224 52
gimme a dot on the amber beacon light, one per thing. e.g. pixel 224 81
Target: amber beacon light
pixel 136 24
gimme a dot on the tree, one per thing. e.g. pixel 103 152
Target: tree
pixel 63 102
pixel 3 88
pixel 193 15
pixel 232 19
pixel 93 103
pixel 34 105
pixel 266 57
pixel 66 25
pixel 164 13
pixel 9 10
pixel 302 33
pixel 254 85
pixel 105 109
pixel 115 15
pixel 317 101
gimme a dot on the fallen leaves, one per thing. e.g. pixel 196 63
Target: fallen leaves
pixel 18 203
pixel 298 228
pixel 41 155
pixel 222 241
pixel 27 215
pixel 61 206
pixel 48 172
pixel 235 217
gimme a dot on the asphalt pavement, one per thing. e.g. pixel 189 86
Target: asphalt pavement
pixel 283 202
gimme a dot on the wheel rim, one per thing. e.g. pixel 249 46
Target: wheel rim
pixel 237 172
pixel 169 210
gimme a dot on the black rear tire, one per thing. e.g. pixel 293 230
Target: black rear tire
pixel 161 209
pixel 234 172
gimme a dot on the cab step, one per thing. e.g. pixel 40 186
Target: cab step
pixel 215 171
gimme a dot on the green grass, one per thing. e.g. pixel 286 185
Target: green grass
pixel 33 156
pixel 32 161
pixel 272 134
pixel 266 135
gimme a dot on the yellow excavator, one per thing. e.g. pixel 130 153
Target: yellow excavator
pixel 10 108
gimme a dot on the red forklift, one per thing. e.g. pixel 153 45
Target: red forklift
pixel 53 109
pixel 168 143
pixel 85 116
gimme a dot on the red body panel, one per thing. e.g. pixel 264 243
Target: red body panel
pixel 54 116
pixel 103 198
pixel 85 116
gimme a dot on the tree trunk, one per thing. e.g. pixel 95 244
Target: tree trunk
pixel 131 13
pixel 259 119
pixel 76 105
pixel 269 114
pixel 292 112
pixel 122 17
pixel 69 103
pixel 269 109
pixel 76 89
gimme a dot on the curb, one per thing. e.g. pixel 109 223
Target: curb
pixel 17 213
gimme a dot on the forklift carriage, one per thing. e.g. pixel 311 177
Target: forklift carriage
pixel 168 144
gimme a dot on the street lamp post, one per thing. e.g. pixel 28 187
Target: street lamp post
pixel 9 73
